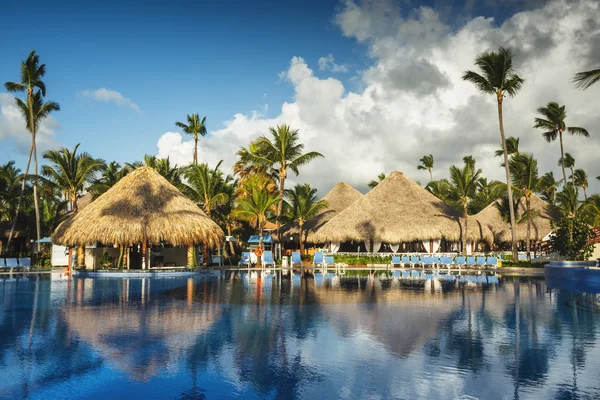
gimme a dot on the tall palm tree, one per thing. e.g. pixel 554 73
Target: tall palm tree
pixel 110 175
pixel 567 162
pixel 171 173
pixel 591 210
pixel 512 147
pixel 580 181
pixel 499 78
pixel 487 192
pixel 72 173
pixel 374 182
pixel 10 181
pixel 585 79
pixel 255 208
pixel 427 165
pixel 568 201
pixel 31 78
pixel 304 206
pixel 223 213
pixel 548 187
pixel 463 187
pixel 282 152
pixel 553 124
pixel 207 186
pixel 524 171
pixel 439 189
pixel 195 126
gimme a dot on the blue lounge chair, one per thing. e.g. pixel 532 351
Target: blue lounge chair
pixel 329 261
pixel 426 260
pixel 406 260
pixel 318 259
pixel 446 261
pixel 396 261
pixel 12 263
pixel 25 262
pixel 406 274
pixel 460 261
pixel 492 262
pixel 435 261
pixel 2 263
pixel 296 259
pixel 415 274
pixel 415 260
pixel 470 261
pixel 245 260
pixel 267 259
pixel 481 261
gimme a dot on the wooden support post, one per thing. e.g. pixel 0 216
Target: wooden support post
pixel 144 254
pixel 80 256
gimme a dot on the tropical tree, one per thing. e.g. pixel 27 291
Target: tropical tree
pixel 207 186
pixel 71 172
pixel 10 182
pixel 374 182
pixel 171 173
pixel 109 176
pixel 579 178
pixel 548 187
pixel 512 147
pixel 224 212
pixel 463 187
pixel 304 206
pixel 499 78
pixel 524 171
pixel 195 126
pixel 487 192
pixel 280 153
pixel 591 210
pixel 568 201
pixel 34 110
pixel 255 208
pixel 439 189
pixel 427 165
pixel 585 79
pixel 567 162
pixel 553 124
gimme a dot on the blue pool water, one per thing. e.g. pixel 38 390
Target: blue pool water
pixel 233 335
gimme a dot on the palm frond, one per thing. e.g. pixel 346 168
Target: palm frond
pixel 585 79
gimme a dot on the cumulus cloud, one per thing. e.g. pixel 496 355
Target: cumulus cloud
pixel 14 132
pixel 412 100
pixel 110 96
pixel 328 64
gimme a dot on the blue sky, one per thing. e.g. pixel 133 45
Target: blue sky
pixel 390 93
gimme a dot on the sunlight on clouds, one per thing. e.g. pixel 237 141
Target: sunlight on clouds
pixel 110 96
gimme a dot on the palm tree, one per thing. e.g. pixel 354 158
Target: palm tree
pixel 512 147
pixel 255 209
pixel 171 173
pixel 427 165
pixel 554 125
pixel 568 201
pixel 195 126
pixel 439 189
pixel 585 79
pixel 591 210
pixel 548 187
pixel 109 176
pixel 499 78
pixel 486 193
pixel 567 162
pixel 304 206
pixel 524 171
pixel 223 213
pixel 580 181
pixel 207 186
pixel 462 190
pixel 281 153
pixel 374 183
pixel 10 181
pixel 72 173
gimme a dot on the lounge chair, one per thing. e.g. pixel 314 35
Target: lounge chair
pixel 406 260
pixel 426 260
pixel 2 263
pixel 471 262
pixel 446 261
pixel 481 261
pixel 415 274
pixel 492 262
pixel 267 259
pixel 415 260
pixel 12 263
pixel 296 259
pixel 245 260
pixel 396 260
pixel 317 259
pixel 406 274
pixel 460 261
pixel 435 260
pixel 329 261
pixel 25 263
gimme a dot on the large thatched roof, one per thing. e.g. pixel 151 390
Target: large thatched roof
pixel 540 225
pixel 398 210
pixel 338 199
pixel 141 206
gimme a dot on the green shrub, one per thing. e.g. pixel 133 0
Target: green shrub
pixel 571 238
pixel 522 264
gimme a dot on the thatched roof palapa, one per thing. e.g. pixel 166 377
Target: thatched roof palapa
pixel 141 206
pixel 338 199
pixel 399 210
pixel 540 224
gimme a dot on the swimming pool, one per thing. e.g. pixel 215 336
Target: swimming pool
pixel 240 335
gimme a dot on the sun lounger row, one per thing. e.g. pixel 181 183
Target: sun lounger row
pixel 446 262
pixel 15 263
pixel 266 259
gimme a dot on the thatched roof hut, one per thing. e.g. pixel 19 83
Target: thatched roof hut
pixel 540 225
pixel 338 199
pixel 143 206
pixel 399 210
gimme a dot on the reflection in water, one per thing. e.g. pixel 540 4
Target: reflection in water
pixel 323 335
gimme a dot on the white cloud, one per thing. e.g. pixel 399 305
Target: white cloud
pixel 13 128
pixel 328 64
pixel 413 102
pixel 110 96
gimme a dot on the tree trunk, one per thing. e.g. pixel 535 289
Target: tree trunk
pixel 231 248
pixel 260 244
pixel 572 177
pixel 14 224
pixel 190 256
pixel 280 205
pixel 562 159
pixel 528 239
pixel 80 256
pixel 35 197
pixel 464 235
pixel 196 149
pixel 584 193
pixel 301 226
pixel 513 226
pixel 430 176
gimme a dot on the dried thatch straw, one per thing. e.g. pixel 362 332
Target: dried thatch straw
pixel 338 199
pixel 141 206
pixel 399 210
pixel 540 225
